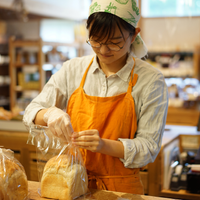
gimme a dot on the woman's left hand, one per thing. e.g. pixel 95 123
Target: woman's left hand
pixel 88 139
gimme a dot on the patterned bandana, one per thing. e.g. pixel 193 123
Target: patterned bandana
pixel 126 10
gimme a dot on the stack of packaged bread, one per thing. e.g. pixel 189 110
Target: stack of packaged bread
pixel 13 179
pixel 64 177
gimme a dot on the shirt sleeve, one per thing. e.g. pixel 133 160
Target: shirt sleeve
pixel 54 93
pixel 144 148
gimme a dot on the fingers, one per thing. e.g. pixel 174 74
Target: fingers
pixel 62 127
pixel 88 139
pixel 58 133
pixel 67 129
pixel 85 133
pixel 85 136
pixel 86 143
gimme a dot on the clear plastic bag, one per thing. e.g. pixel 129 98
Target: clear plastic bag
pixel 61 170
pixel 13 179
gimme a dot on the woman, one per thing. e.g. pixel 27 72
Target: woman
pixel 116 104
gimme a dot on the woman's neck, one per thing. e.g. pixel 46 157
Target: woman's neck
pixel 113 68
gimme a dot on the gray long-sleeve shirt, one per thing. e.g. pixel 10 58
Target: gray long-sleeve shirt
pixel 149 93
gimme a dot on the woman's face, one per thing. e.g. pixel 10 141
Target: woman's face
pixel 108 56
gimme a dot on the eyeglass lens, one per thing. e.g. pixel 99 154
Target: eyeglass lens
pixel 111 46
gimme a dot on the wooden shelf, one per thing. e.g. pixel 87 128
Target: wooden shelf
pixel 14 65
pixel 180 72
pixel 53 63
pixel 25 43
pixel 182 116
pixel 183 194
pixel 19 65
pixel 4 85
pixel 18 88
pixel 4 73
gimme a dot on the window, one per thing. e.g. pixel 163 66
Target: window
pixel 170 8
pixel 57 31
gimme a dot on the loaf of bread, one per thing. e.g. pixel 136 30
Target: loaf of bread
pixel 13 180
pixel 64 178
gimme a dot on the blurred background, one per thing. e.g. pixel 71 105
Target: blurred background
pixel 170 29
pixel 37 36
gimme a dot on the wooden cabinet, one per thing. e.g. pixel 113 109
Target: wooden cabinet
pixel 16 141
pixel 26 154
pixel 152 178
pixel 183 142
pixel 157 171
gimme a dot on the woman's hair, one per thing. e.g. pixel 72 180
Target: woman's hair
pixel 103 25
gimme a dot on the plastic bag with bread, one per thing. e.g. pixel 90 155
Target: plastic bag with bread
pixel 13 179
pixel 64 175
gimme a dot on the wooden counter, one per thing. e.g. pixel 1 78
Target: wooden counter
pixel 94 195
pixel 151 178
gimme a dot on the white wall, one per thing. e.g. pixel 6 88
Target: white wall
pixel 171 34
pixel 66 9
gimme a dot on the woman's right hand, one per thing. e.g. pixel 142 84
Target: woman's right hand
pixel 59 123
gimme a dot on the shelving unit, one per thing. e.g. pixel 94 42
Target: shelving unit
pixel 15 66
pixel 180 111
pixel 4 76
pixel 196 58
pixel 180 69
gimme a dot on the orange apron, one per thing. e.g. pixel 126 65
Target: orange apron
pixel 114 117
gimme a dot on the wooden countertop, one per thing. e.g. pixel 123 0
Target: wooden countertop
pixel 94 194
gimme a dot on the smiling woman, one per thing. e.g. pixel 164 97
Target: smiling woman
pixel 111 105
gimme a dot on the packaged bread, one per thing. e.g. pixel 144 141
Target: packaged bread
pixel 13 180
pixel 64 177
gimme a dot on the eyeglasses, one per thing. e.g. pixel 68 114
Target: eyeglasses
pixel 111 46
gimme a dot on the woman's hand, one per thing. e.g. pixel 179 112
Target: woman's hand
pixel 88 139
pixel 59 123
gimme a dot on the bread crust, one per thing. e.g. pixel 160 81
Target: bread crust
pixel 64 178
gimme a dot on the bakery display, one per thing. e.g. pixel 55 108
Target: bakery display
pixel 64 177
pixel 13 180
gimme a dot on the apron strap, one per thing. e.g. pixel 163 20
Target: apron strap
pixel 133 79
pixel 85 74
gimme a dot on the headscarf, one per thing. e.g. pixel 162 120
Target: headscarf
pixel 126 10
